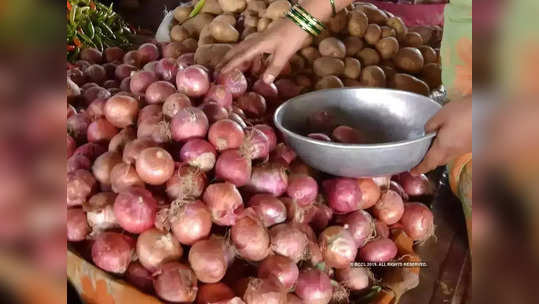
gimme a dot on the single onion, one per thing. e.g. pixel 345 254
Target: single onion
pixel 190 222
pixel 233 167
pixel 112 251
pixel 237 118
pixel 156 130
pixel 133 149
pixel 389 208
pixel 378 250
pixel 103 165
pixel 264 291
pixel 150 112
pixel 214 293
pixel 123 176
pixel 77 76
pixel 418 221
pixel 187 182
pixel 322 216
pixel 155 165
pixel 172 49
pixel 360 224
pixel 225 203
pixel 226 134
pixel 234 81
pixel 118 142
pixel 71 145
pixel 125 84
pixel 269 209
pixel 176 282
pixel 214 111
pixel 90 150
pixel 185 60
pixel 123 71
pixel 398 188
pixel 285 155
pixel 91 55
pixel 175 103
pixel 77 126
pixel 256 144
pixel 322 121
pixel 382 182
pixel 96 109
pixel 113 54
pixel 159 91
pixel 189 123
pixel 415 185
pixel 155 248
pixel 209 259
pixel 96 73
pixel 287 240
pixel 77 225
pixel 302 188
pixel 354 278
pixel 270 134
pixel 141 80
pixel 281 268
pixel 133 57
pixel 198 153
pixel 338 247
pixel 121 110
pixel 148 52
pixel 343 194
pixel 346 134
pixel 99 211
pixel 95 92
pixel 319 136
pixel 253 104
pixel 77 162
pixel 193 81
pixel 268 178
pixel 80 184
pixel 370 192
pixel 267 90
pixel 139 277
pixel 381 229
pixel 219 94
pixel 314 286
pixel 101 130
pixel 166 69
pixel 135 209
pixel 287 88
pixel 250 237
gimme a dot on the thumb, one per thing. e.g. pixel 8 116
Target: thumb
pixel 435 122
pixel 274 69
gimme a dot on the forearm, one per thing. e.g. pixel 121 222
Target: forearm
pixel 322 10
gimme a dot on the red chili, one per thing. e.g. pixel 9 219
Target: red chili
pixel 68 6
pixel 77 42
pixel 70 48
pixel 92 5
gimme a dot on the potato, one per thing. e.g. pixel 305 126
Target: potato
pixel 205 36
pixel 195 25
pixel 277 9
pixel 374 15
pixel 189 45
pixel 246 32
pixel 432 75
pixel 350 83
pixel 262 24
pixel 211 7
pixel 250 20
pixel 232 6
pixel 329 82
pixel 373 76
pixel 352 68
pixel 257 6
pixel 390 72
pixel 426 33
pixel 353 45
pixel 436 36
pixel 297 63
pixel 332 47
pixel 429 54
pixel 310 53
pixel 223 32
pixel 226 18
pixel 324 66
pixel 369 56
pixel 409 83
pixel 412 39
pixel 388 32
pixel 338 23
pixel 409 60
pixel 181 13
pixel 357 24
pixel 373 34
pixel 388 47
pixel 178 33
pixel 211 54
pixel 398 25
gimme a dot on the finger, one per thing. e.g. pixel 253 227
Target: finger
pixel 242 57
pixel 432 160
pixel 435 122
pixel 278 62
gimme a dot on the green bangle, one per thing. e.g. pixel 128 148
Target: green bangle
pixel 301 23
pixel 312 20
pixel 305 21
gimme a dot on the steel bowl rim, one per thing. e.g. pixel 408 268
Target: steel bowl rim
pixel 399 143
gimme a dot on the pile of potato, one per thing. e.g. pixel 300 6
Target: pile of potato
pixel 363 46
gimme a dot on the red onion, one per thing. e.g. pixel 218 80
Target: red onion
pixel 139 277
pixel 133 58
pixel 319 136
pixel 338 247
pixel 256 144
pixel 346 134
pixel 381 229
pixel 70 146
pixel 113 54
pixel 343 194
pixel 121 110
pixel 155 248
pixel 77 126
pixel 287 88
pixel 99 211
pixel 322 121
pixel 80 184
pixel 190 222
pixel 219 94
pixel 91 55
pixel 101 130
pixel 176 283
pixel 175 103
pixel 96 73
pixel 270 134
pixel 322 216
pixel 189 123
pixel 360 224
pixel 133 149
pixel 214 293
pixel 233 167
pixel 281 268
pixel 354 278
pixel 155 130
pixel 234 81
pixel 264 291
pixel 370 192
pixel 141 80
pixel 186 183
pixel 172 49
pixel 155 165
pixel 378 250
pixel 166 69
pixel 237 118
pixel 415 185
pixel 135 209
pixel 382 181
pixel 95 92
pixel 303 189
pixel 113 251
pixel 124 70
pixel 71 110
pixel 103 165
pixel 250 237
pixel 159 91
pixel 150 66
pixel 287 240
pixel 77 225
pixel 224 202
pixel 148 52
pixel 118 142
pixel 150 112
pixel 185 60
pixel 268 178
pixel 398 188
pixel 77 76
pixel 214 112
pixel 314 286
pixel 267 90
pixel 209 259
pixel 193 81
pixel 253 104
pixel 123 176
pixel 284 154
pixel 77 162
pixel 96 109
pixel 269 209
pixel 90 150
pixel 418 221
pixel 389 208
pixel 111 84
pixel 125 84
pixel 226 134
pixel 198 153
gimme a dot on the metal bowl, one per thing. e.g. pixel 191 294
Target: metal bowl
pixel 393 122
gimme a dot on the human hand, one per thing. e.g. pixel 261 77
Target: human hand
pixel 454 125
pixel 281 41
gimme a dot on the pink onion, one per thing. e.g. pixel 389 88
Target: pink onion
pixel 214 112
pixel 234 81
pixel 193 81
pixel 191 222
pixel 80 184
pixel 256 144
pixel 418 221
pixel 176 283
pixel 101 130
pixel 91 55
pixel 96 109
pixel 322 121
pixel 269 209
pixel 133 58
pixel 77 76
pixel 133 149
pixel 267 90
pixel 77 225
pixel 270 134
pixel 157 131
pixel 226 134
pixel 354 278
pixel 338 246
pixel 175 103
pixel 113 251
pixel 287 240
pixel 121 110
pixel 264 291
pixel 103 165
pixel 150 66
pixel 268 178
pixel 90 150
pixel 253 104
pixel 250 237
pixel 159 91
pixel 172 49
pixel 77 126
pixel 70 146
pixel 125 84
pixel 370 192
pixel 360 224
pixel 135 209
pixel 382 181
pixel 118 142
pixel 198 153
pixel 219 94
pixel 346 134
pixel 389 208
pixel 111 84
pixel 155 165
pixel 141 80
pixel 343 194
pixel 123 176
pixel 322 216
pixel 113 54
pixel 148 52
pixel 378 250
pixel 302 188
pixel 398 188
pixel 382 230
pixel 139 277
pixel 214 293
pixel 415 185
pixel 96 73
pixel 124 70
pixel 189 123
pixel 186 183
pixel 233 167
pixel 284 154
pixel 314 286
pixel 155 248
pixel 319 136
pixel 185 60
pixel 209 259
pixel 281 268
pixel 95 92
pixel 166 69
pixel 225 203
pixel 99 211
pixel 77 162
pixel 237 118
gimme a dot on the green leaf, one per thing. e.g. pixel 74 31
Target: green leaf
pixel 200 4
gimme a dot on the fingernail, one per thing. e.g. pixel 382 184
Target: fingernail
pixel 269 78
